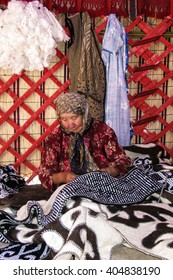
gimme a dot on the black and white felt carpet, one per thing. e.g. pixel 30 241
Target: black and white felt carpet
pixel 85 219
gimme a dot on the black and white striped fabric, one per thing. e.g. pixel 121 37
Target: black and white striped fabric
pixel 101 187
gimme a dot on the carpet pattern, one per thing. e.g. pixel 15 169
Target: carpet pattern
pixel 85 219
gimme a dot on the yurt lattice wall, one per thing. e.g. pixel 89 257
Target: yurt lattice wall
pixel 150 72
pixel 27 107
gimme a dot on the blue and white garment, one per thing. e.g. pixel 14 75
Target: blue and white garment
pixel 114 55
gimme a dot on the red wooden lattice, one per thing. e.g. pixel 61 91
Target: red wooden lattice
pixel 34 116
pixel 140 48
pixel 151 87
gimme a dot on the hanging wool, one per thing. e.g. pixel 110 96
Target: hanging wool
pixel 29 34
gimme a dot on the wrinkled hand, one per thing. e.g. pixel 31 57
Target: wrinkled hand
pixel 110 170
pixel 69 176
pixel 63 177
pixel 104 169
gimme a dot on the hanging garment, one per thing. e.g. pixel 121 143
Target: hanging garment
pixel 87 70
pixel 114 55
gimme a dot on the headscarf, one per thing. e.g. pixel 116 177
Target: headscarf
pixel 80 158
pixel 75 103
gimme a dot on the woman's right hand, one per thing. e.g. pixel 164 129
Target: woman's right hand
pixel 63 177
pixel 69 176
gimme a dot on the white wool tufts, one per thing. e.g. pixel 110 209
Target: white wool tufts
pixel 29 34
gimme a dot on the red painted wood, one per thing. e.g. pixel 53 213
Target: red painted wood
pixel 34 117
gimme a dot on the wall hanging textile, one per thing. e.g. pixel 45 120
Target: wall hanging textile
pixel 155 8
pixel 149 8
pixel 93 7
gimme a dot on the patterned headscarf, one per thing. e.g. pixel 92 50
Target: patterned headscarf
pixel 75 103
pixel 80 158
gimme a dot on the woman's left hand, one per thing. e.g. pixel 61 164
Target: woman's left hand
pixel 110 170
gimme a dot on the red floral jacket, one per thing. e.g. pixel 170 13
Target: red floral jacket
pixel 101 141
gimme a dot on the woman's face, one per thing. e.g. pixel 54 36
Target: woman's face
pixel 71 122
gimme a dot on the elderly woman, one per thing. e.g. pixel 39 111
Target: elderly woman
pixel 79 145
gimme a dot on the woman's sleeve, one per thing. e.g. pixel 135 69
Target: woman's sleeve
pixel 115 152
pixel 49 163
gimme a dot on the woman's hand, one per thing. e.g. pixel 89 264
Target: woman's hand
pixel 69 176
pixel 110 170
pixel 63 177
